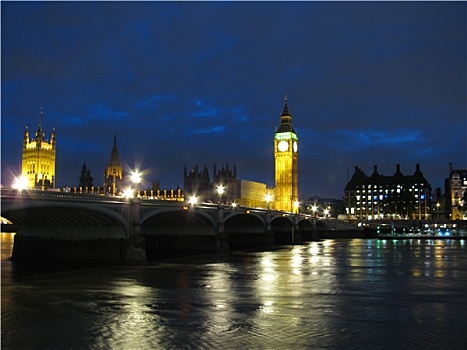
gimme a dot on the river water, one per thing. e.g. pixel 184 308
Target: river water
pixel 332 294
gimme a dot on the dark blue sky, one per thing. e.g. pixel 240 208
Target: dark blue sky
pixel 196 83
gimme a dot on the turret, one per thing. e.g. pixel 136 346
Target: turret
pixel 52 139
pixel 25 138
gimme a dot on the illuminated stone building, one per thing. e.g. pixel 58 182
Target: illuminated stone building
pixel 253 194
pixel 286 163
pixel 456 194
pixel 38 163
pixel 388 197
pixel 113 175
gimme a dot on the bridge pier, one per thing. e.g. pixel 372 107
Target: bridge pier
pixel 296 234
pixel 136 243
pixel 222 236
pixel 271 241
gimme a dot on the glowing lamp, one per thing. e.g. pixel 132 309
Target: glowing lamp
pixel 128 193
pixel 20 183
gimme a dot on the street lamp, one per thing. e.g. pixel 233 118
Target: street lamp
pixel 128 193
pixel 314 208
pixel 268 199
pixel 296 205
pixel 20 183
pixel 136 179
pixel 220 192
pixel 193 200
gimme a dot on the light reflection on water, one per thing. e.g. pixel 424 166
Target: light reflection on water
pixel 334 294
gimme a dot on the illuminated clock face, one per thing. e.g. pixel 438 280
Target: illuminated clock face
pixel 295 146
pixel 283 146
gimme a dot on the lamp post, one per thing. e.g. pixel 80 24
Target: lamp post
pixel 136 179
pixel 220 192
pixel 136 250
pixel 314 208
pixel 20 183
pixel 296 206
pixel 268 199
pixel 193 200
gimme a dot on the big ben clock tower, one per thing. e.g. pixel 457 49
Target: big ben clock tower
pixel 286 163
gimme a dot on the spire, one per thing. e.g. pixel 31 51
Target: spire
pixel 39 133
pixel 40 120
pixel 286 119
pixel 114 153
pixel 285 112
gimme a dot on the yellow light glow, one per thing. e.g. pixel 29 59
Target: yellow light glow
pixel 128 193
pixel 20 183
pixel 193 200
pixel 136 177
pixel 220 190
pixel 268 198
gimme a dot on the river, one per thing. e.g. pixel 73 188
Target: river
pixel 332 294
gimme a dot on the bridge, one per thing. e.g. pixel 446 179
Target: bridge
pixel 59 226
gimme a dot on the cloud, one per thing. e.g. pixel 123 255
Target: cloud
pixel 188 82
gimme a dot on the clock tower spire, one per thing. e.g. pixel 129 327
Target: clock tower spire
pixel 286 162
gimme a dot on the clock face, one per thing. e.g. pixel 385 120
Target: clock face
pixel 295 146
pixel 283 146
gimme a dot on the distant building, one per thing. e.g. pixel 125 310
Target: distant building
pixel 253 194
pixel 456 194
pixel 286 163
pixel 393 197
pixel 38 161
pixel 85 180
pixel 113 174
pixel 324 207
pixel 227 178
pixel 198 183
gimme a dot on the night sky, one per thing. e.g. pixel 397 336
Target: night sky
pixel 196 83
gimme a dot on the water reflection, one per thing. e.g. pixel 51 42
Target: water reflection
pixel 333 294
pixel 7 240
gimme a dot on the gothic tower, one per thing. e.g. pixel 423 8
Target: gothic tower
pixel 85 180
pixel 38 163
pixel 286 163
pixel 113 176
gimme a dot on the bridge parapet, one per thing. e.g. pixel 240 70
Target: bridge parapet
pixel 121 229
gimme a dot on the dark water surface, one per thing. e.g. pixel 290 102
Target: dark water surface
pixel 333 294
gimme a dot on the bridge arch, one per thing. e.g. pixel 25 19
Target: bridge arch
pixel 172 231
pixel 305 226
pixel 245 230
pixel 173 221
pixel 283 228
pixel 68 219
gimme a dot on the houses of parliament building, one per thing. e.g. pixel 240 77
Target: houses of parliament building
pixel 397 196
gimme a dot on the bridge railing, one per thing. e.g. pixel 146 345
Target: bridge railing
pixel 4 193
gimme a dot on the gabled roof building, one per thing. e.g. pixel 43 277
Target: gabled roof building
pixel 456 193
pixel 388 197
